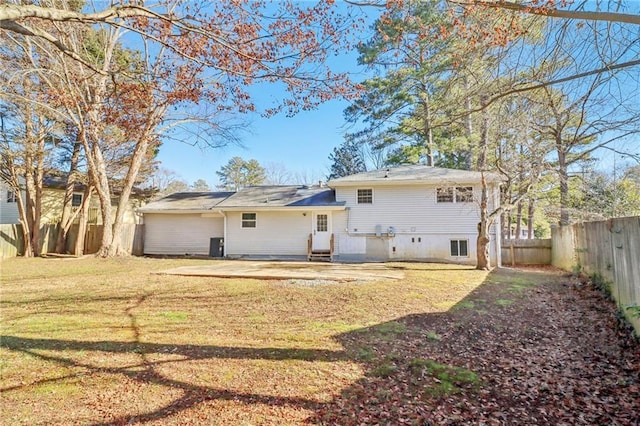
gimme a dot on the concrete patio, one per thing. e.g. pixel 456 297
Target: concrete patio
pixel 284 270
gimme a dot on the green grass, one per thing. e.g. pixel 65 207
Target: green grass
pixel 432 335
pixel 98 341
pixel 448 379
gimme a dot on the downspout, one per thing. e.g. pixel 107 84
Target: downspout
pixel 224 232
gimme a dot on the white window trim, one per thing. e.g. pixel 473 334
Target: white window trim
pixel 458 240
pixel 364 189
pixel 242 220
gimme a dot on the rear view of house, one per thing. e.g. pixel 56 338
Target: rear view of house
pixel 403 213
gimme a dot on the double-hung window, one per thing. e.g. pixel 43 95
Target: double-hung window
pixel 458 194
pixel 12 197
pixel 76 200
pixel 249 220
pixel 365 196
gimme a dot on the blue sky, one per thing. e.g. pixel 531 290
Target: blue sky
pixel 301 144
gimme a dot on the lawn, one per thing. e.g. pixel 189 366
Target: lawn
pixel 90 341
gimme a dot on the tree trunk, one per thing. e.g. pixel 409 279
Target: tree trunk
pixel 482 244
pixel 66 221
pixel 468 126
pixel 563 176
pixel 530 213
pixel 519 220
pixel 82 221
pixel 104 195
pixel 427 125
pixel 139 154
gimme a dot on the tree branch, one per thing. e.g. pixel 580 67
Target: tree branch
pixel 553 12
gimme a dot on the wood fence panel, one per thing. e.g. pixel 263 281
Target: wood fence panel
pixel 11 244
pixel 526 252
pixel 610 249
pixel 10 240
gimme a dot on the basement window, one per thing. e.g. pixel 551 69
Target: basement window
pixel 459 248
pixel 249 220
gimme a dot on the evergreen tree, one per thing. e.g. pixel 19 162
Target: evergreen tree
pixel 238 173
pixel 346 160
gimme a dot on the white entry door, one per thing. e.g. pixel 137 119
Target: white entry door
pixel 321 231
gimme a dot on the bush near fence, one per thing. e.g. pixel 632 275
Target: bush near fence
pixel 11 243
pixel 608 250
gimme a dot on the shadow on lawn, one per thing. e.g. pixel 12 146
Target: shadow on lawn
pixel 412 364
pixel 383 350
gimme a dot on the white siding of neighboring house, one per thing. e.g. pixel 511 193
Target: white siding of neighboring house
pixel 277 233
pixel 180 234
pixel 8 211
pixel 422 227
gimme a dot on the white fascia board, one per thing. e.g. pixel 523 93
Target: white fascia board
pixel 281 208
pixel 165 211
pixel 374 183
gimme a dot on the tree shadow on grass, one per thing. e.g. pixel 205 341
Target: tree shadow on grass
pixel 495 356
pixel 514 351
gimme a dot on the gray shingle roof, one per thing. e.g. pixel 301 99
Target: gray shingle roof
pixel 413 174
pixel 197 201
pixel 282 196
pixel 250 197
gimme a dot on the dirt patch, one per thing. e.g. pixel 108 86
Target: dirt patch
pixel 290 270
pixel 528 347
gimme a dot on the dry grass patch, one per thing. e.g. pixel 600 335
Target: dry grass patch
pixel 91 341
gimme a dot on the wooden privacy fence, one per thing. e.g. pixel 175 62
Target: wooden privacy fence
pixel 11 242
pixel 526 252
pixel 610 249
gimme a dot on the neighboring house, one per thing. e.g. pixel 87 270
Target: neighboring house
pixel 53 198
pixel 8 204
pixel 402 213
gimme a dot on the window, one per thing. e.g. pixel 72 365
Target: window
pixel 464 194
pixel 459 248
pixel 249 220
pixel 444 195
pixel 459 194
pixel 322 223
pixel 365 196
pixel 11 197
pixel 76 200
